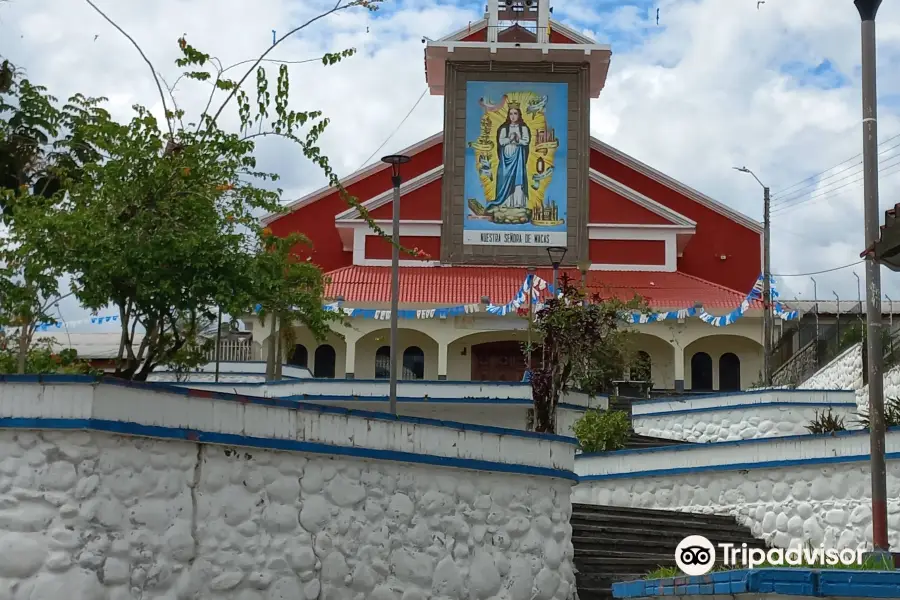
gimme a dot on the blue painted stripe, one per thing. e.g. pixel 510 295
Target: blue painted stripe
pixel 830 583
pixel 744 406
pixel 688 447
pixel 747 466
pixel 194 435
pixel 689 397
pixel 295 405
pixel 385 381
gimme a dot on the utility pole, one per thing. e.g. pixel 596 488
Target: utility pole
pixel 768 325
pixel 867 10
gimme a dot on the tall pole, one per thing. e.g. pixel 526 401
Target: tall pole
pixel 395 289
pixel 867 11
pixel 767 289
pixel 218 342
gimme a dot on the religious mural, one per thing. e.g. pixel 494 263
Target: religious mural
pixel 516 150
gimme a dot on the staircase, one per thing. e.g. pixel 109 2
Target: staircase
pixel 636 441
pixel 624 544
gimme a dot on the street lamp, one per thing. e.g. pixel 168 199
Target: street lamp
pixel 395 160
pixel 767 276
pixel 867 10
pixel 556 254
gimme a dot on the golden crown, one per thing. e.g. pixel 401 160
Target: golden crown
pixel 514 104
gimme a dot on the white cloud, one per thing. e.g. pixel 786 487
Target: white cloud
pixel 702 92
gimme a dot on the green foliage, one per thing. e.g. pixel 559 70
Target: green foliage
pixel 583 345
pixel 891 414
pixel 602 431
pixel 42 359
pixel 826 422
pixel 39 155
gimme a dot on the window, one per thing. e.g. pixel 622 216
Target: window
pixel 641 369
pixel 383 363
pixel 325 359
pixel 701 372
pixel 300 357
pixel 729 372
pixel 413 363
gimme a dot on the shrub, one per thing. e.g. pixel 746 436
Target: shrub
pixel 891 414
pixel 602 431
pixel 826 422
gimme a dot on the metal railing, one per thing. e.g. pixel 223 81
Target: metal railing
pixel 235 351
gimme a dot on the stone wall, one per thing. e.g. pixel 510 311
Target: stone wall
pixel 741 416
pixel 98 515
pixel 789 492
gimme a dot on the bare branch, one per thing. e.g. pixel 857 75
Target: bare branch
pixel 162 96
pixel 337 7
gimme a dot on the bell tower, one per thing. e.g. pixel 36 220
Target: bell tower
pixel 517 88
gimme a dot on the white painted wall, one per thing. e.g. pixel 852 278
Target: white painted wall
pixel 789 491
pixel 98 515
pixel 742 416
pixel 842 373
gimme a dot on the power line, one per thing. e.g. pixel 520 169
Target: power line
pixel 782 191
pixel 393 133
pixel 798 193
pixel 885 171
pixel 859 262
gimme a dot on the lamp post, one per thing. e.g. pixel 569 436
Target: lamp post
pixel 767 276
pixel 556 254
pixel 395 160
pixel 867 10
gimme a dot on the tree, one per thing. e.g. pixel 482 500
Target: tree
pixel 583 345
pixel 37 152
pixel 162 225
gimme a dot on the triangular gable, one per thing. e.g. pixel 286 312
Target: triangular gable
pixel 476 31
pixel 356 177
pixel 379 206
pixel 674 185
pixel 625 206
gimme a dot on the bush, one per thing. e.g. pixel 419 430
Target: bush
pixel 826 423
pixel 42 359
pixel 891 414
pixel 602 431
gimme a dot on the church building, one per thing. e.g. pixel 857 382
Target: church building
pixel 516 172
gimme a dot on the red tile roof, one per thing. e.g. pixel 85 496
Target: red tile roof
pixel 465 285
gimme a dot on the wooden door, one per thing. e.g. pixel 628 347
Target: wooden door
pixel 498 361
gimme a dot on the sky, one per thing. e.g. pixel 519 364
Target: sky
pixel 772 86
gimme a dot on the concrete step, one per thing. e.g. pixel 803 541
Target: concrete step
pixel 587 541
pixel 596 509
pixel 667 523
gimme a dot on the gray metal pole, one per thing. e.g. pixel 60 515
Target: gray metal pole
pixel 767 289
pixel 218 343
pixel 395 290
pixel 867 10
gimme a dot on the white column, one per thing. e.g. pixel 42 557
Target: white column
pixel 543 23
pixel 679 369
pixel 493 8
pixel 442 359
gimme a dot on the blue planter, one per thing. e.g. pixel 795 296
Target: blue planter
pixel 794 582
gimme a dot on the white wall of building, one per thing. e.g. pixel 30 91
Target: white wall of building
pixel 788 490
pixel 741 416
pixel 304 505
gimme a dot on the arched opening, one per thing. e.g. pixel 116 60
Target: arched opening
pixel 325 362
pixel 383 363
pixel 641 368
pixel 498 361
pixel 701 372
pixel 299 357
pixel 729 372
pixel 413 363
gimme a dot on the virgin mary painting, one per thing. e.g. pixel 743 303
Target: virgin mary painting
pixel 513 138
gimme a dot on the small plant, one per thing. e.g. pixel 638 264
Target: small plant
pixel 602 431
pixel 826 422
pixel 663 573
pixel 891 414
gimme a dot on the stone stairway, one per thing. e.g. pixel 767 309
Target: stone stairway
pixel 623 544
pixel 636 441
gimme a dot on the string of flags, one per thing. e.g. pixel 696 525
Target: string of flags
pixel 533 286
pixel 721 321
